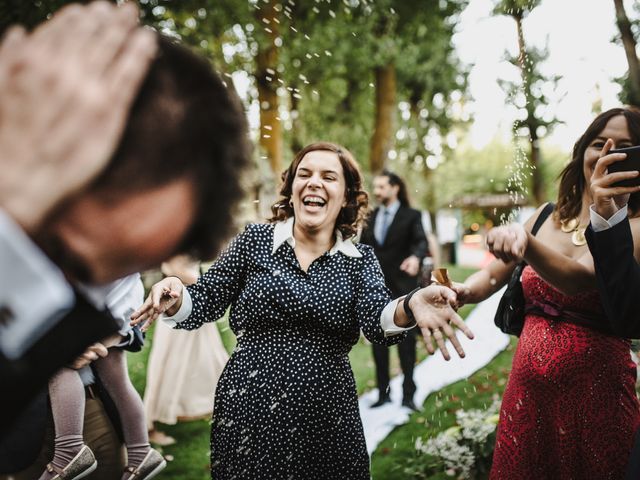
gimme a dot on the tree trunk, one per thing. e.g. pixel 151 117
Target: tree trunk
pixel 381 141
pixel 346 105
pixel 266 79
pixel 297 126
pixel 535 156
pixel 522 49
pixel 535 160
pixel 629 43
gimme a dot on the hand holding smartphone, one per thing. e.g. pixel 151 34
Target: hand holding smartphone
pixel 632 162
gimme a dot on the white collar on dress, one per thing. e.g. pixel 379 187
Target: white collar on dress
pixel 283 232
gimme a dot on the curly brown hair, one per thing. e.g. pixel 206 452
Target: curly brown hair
pixel 352 215
pixel 572 181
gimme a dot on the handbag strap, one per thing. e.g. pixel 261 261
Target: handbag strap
pixel 546 211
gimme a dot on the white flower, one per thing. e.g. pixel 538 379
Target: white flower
pixel 453 454
pixel 455 446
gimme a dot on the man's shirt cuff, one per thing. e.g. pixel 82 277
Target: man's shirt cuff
pixel 598 223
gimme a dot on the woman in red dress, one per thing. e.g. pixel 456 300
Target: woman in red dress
pixel 569 410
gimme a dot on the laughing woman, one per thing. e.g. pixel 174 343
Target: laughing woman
pixel 300 291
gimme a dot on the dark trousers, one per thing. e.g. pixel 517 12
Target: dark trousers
pixel 407 352
pixel 101 437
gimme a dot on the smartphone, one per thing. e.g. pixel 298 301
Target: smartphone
pixel 632 162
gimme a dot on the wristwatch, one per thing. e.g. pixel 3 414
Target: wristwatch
pixel 405 305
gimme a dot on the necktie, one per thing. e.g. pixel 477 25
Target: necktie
pixel 385 226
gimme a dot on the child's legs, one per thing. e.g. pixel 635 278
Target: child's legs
pixel 66 393
pixel 112 371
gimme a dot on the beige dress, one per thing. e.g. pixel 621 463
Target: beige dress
pixel 183 370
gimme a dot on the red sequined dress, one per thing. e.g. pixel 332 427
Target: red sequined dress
pixel 570 409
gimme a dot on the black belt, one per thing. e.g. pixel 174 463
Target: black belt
pixel 90 391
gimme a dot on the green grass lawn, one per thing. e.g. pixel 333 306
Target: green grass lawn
pixel 189 457
pixel 438 414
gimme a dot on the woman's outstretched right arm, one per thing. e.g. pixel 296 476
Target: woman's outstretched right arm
pixel 205 301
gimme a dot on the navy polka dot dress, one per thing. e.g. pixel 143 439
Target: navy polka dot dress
pixel 286 405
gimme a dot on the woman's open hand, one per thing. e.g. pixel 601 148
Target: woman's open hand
pixel 434 310
pixel 65 94
pixel 164 297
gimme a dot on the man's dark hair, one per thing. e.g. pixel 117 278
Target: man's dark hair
pixel 394 179
pixel 185 123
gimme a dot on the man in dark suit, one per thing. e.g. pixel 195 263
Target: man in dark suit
pixel 395 232
pixel 113 159
pixel 610 241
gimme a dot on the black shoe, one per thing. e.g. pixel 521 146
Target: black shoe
pixel 381 401
pixel 408 402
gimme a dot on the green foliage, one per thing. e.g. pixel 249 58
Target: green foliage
pixel 326 55
pixel 515 8
pixel 470 171
pixel 29 14
pixel 327 52
pixel 534 118
pixel 531 95
pixel 626 96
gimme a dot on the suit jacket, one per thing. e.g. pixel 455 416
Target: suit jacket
pixel 618 277
pixel 23 378
pixel 405 237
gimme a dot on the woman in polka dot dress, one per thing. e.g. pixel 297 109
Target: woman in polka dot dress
pixel 300 291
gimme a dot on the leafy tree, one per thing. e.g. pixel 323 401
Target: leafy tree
pixel 432 85
pixel 530 95
pixel 628 34
pixel 330 69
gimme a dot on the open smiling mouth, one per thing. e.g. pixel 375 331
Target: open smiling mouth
pixel 313 201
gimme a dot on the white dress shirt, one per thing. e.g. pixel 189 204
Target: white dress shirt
pixel 34 293
pixel 390 211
